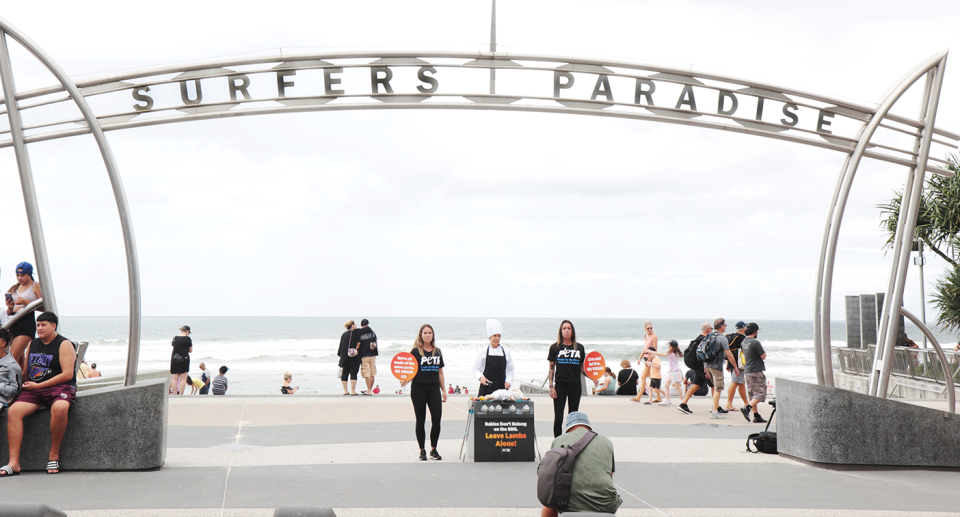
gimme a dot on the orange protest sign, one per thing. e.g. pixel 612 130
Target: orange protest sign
pixel 594 365
pixel 404 366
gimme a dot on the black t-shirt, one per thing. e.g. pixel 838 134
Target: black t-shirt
pixel 735 341
pixel 569 361
pixel 181 345
pixel 368 342
pixel 286 390
pixel 428 374
pixel 628 380
pixel 347 340
pixel 44 361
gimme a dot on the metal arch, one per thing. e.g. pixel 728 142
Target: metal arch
pixel 947 375
pixel 835 214
pixel 113 173
pixel 880 376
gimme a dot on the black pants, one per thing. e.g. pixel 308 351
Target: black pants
pixel 565 392
pixel 423 398
pixel 351 367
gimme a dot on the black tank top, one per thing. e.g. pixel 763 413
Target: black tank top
pixel 44 361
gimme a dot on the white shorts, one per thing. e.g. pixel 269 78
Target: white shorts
pixel 674 376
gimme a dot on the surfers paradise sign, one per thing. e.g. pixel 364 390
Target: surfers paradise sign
pixel 449 80
pixel 525 83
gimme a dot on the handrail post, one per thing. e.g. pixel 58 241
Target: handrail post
pixel 951 393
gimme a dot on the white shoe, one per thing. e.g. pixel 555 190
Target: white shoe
pixel 716 415
pixel 665 403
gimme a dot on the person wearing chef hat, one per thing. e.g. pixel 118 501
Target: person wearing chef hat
pixel 494 364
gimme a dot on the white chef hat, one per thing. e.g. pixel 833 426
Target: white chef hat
pixel 494 327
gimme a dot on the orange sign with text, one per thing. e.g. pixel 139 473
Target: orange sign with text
pixel 594 365
pixel 404 366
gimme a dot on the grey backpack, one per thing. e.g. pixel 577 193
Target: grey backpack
pixel 555 473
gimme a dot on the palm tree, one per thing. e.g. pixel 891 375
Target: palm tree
pixel 938 226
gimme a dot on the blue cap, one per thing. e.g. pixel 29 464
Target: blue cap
pixel 576 418
pixel 25 267
pixel 741 324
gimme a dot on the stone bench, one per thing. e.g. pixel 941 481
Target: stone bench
pixel 113 428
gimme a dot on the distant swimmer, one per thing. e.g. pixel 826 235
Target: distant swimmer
pixel 94 372
pixel 565 358
pixel 494 365
pixel 19 295
pixel 426 390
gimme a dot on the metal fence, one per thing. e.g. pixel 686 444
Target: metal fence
pixel 913 363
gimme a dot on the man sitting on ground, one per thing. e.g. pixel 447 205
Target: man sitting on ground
pixel 50 384
pixel 10 373
pixel 591 486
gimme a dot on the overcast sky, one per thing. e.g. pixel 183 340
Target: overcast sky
pixel 463 213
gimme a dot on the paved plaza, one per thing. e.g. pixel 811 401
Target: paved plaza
pixel 246 456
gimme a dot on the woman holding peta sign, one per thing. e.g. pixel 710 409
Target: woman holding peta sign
pixel 427 389
pixel 566 358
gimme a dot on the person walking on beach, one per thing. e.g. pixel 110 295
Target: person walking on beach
pixel 180 360
pixel 494 364
pixel 655 377
pixel 50 383
pixel 736 381
pixel 20 294
pixel 672 376
pixel 650 341
pixel 220 383
pixel 349 357
pixel 753 356
pixel 368 355
pixel 426 390
pixel 565 358
pixel 627 379
pixel 713 368
pixel 699 377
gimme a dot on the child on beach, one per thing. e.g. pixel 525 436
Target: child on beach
pixel 673 371
pixel 220 382
pixel 653 361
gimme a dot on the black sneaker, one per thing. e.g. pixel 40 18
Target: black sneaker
pixel 423 455
pixel 746 412
pixel 684 409
pixel 722 411
pixel 757 419
pixel 434 455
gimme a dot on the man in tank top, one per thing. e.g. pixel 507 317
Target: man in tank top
pixel 49 383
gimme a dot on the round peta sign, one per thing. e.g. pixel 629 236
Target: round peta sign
pixel 404 366
pixel 594 365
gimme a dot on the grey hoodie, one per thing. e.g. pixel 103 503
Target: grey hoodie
pixel 10 379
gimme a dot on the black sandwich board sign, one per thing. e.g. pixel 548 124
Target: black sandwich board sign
pixel 503 430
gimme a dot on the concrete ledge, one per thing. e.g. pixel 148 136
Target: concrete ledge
pixel 29 510
pixel 835 426
pixel 114 428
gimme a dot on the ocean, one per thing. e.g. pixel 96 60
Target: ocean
pixel 258 350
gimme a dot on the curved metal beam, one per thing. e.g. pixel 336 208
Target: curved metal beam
pixel 832 229
pixel 947 375
pixel 30 307
pixel 113 173
pixel 887 340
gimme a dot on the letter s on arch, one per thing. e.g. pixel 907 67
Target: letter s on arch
pixel 432 81
pixel 139 96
